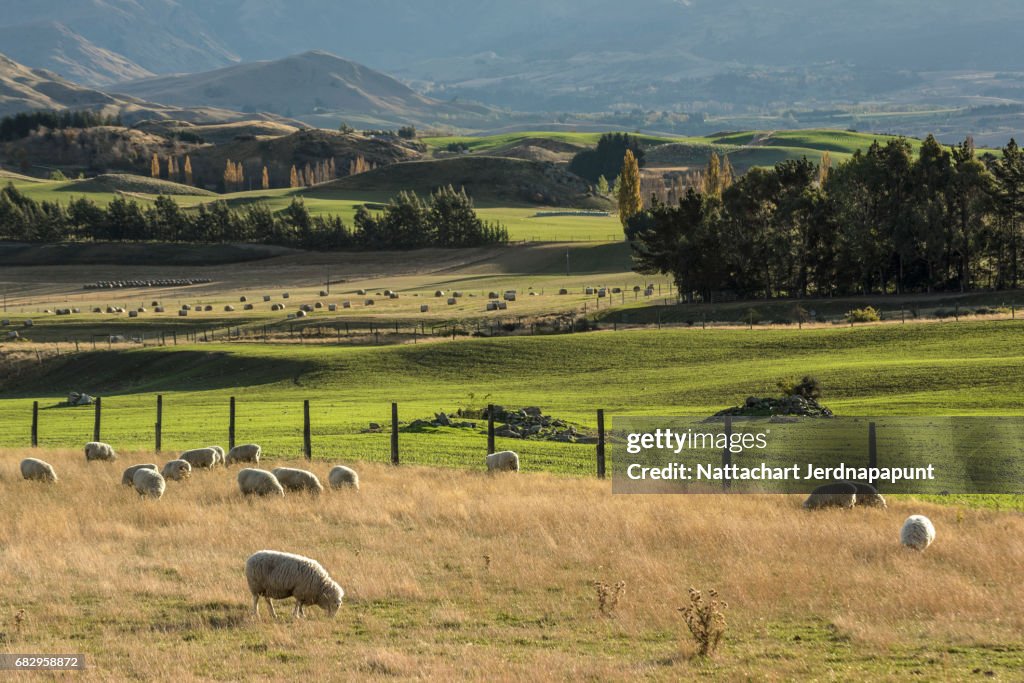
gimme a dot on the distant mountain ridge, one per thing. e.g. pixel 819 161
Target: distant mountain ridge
pixel 308 84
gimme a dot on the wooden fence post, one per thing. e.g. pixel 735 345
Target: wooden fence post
pixel 231 424
pixel 872 446
pixel 490 428
pixel 98 416
pixel 727 454
pixel 600 444
pixel 394 433
pixel 35 424
pixel 307 448
pixel 159 425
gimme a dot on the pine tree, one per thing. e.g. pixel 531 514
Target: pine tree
pixel 188 170
pixel 630 200
pixel 266 179
pixel 293 180
pixel 154 166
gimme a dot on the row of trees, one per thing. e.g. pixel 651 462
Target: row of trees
pixel 23 124
pixel 446 219
pixel 886 221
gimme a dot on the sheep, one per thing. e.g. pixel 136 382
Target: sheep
pixel 868 496
pixel 97 450
pixel 298 480
pixel 249 452
pixel 34 469
pixel 205 458
pixel 129 474
pixel 220 455
pixel 917 532
pixel 149 483
pixel 839 494
pixel 274 575
pixel 343 476
pixel 503 461
pixel 177 470
pixel 259 482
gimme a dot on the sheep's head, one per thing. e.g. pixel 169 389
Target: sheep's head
pixel 330 599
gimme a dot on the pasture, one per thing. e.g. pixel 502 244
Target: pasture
pixel 459 575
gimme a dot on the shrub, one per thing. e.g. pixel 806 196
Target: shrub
pixel 705 618
pixel 807 387
pixel 867 314
pixel 608 596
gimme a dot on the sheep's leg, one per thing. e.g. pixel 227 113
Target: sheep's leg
pixel 256 605
pixel 273 613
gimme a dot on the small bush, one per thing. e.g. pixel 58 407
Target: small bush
pixel 705 618
pixel 608 596
pixel 992 310
pixel 867 314
pixel 807 387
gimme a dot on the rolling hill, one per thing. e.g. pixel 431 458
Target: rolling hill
pixel 484 179
pixel 25 89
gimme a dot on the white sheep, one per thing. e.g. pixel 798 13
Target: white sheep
pixel 149 483
pixel 97 450
pixel 128 477
pixel 220 455
pixel 275 575
pixel 34 469
pixel 252 481
pixel 298 480
pixel 177 470
pixel 503 461
pixel 200 457
pixel 839 494
pixel 917 532
pixel 249 452
pixel 343 476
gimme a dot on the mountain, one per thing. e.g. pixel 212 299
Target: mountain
pixel 312 84
pixel 25 89
pixel 158 35
pixel 53 46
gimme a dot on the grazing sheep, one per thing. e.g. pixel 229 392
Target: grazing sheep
pixel 177 470
pixel 97 450
pixel 221 460
pixel 839 494
pixel 34 469
pixel 503 461
pixel 249 452
pixel 252 481
pixel 917 532
pixel 343 476
pixel 292 479
pixel 129 474
pixel 274 575
pixel 868 496
pixel 206 458
pixel 149 483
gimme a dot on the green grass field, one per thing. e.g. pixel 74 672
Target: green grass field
pixel 965 369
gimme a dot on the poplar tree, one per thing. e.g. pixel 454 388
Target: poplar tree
pixel 154 166
pixel 630 201
pixel 293 179
pixel 266 179
pixel 188 170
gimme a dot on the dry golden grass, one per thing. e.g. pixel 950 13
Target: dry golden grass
pixel 458 575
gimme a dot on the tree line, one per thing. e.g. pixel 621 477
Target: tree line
pixel 885 221
pixel 445 219
pixel 23 124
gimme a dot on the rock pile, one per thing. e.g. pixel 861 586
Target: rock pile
pixel 795 405
pixel 517 423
